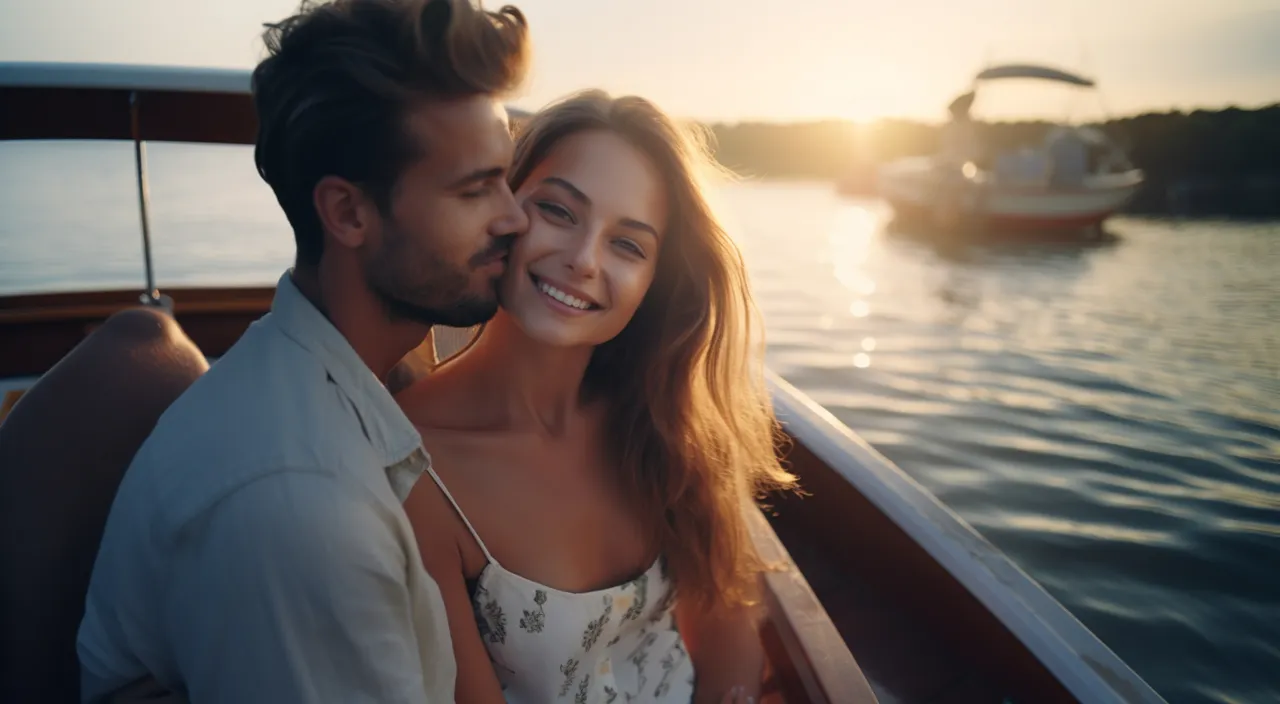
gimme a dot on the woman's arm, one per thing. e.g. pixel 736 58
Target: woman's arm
pixel 477 683
pixel 728 658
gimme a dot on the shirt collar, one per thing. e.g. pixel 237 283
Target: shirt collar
pixel 389 431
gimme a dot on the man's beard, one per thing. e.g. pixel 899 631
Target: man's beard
pixel 464 312
pixel 433 292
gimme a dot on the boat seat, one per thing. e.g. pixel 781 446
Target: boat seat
pixel 441 343
pixel 63 449
pixel 449 341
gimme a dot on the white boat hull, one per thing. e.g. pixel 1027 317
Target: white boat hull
pixel 915 189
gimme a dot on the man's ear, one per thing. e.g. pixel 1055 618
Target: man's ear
pixel 344 210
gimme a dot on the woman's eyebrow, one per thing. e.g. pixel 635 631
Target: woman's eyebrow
pixel 573 190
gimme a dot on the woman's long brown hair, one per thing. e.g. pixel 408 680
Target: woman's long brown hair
pixel 690 419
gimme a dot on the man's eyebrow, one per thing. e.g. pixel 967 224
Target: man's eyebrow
pixel 479 176
pixel 572 189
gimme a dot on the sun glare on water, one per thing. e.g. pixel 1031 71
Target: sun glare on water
pixel 853 233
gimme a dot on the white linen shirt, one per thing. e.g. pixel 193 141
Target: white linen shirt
pixel 257 549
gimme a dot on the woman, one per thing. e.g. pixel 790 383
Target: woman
pixel 594 449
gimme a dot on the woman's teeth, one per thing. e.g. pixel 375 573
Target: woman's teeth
pixel 563 297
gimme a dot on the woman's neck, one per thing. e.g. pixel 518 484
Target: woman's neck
pixel 533 386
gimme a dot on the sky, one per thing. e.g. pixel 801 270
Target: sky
pixel 774 60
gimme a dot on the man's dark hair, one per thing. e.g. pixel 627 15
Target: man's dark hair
pixel 332 94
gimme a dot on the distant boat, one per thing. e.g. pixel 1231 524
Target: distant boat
pixel 1074 180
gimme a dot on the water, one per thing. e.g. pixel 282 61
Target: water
pixel 1110 416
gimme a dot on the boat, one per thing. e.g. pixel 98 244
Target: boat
pixel 1073 180
pixel 876 591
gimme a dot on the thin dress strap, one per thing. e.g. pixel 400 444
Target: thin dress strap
pixel 436 478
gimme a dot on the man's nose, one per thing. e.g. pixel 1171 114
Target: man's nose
pixel 513 219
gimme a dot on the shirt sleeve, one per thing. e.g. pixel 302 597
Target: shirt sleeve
pixel 294 589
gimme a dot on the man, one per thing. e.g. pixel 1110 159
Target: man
pixel 954 194
pixel 257 549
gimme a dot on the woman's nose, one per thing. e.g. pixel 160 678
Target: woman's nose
pixel 585 259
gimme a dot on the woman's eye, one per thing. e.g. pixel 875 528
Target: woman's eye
pixel 476 193
pixel 631 247
pixel 556 210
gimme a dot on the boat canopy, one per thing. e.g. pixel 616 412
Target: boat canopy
pixel 102 101
pixel 1045 73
